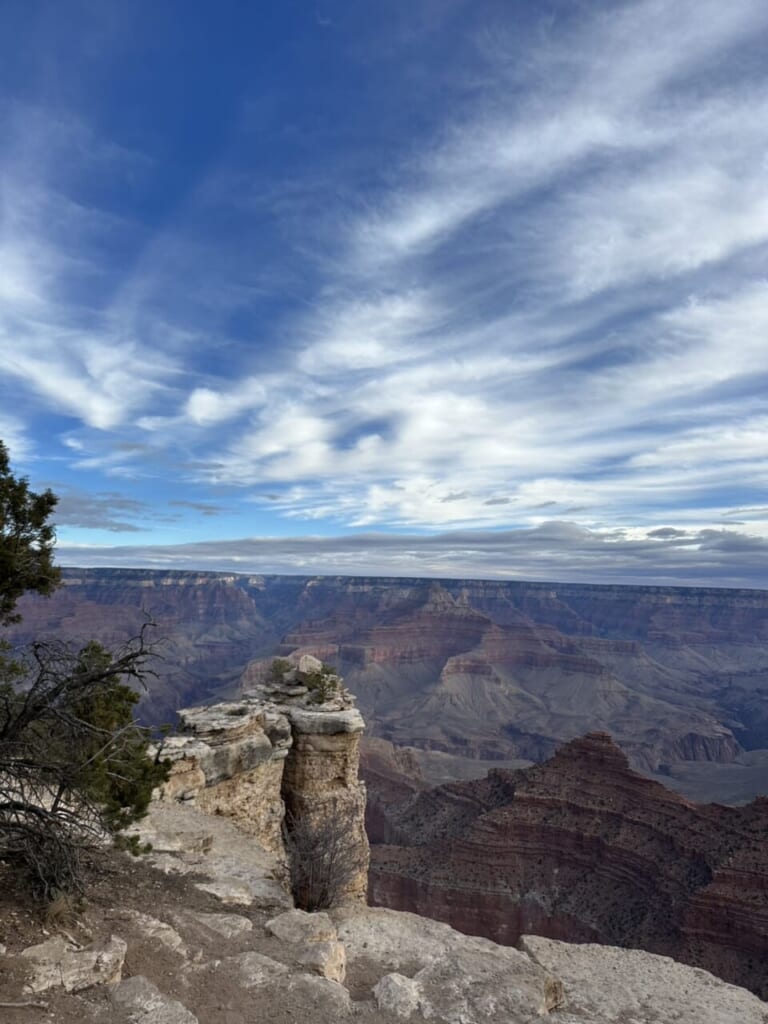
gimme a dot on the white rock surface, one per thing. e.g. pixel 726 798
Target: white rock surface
pixel 300 926
pixel 606 985
pixel 231 894
pixel 310 664
pixel 328 959
pixel 315 935
pixel 474 986
pixel 323 723
pixel 329 1000
pixel 153 929
pixel 456 978
pixel 398 940
pixel 57 963
pixel 239 871
pixel 146 1004
pixel 255 969
pixel 397 995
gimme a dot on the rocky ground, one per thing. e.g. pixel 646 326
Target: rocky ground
pixel 201 931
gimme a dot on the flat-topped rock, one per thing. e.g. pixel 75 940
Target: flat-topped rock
pixel 221 723
pixel 325 722
pixel 261 760
pixel 59 963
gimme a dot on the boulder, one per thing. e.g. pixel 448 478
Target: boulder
pixel 254 969
pixel 57 963
pixel 146 1004
pixel 301 927
pixel 151 928
pixel 397 995
pixel 328 959
pixel 315 934
pixel 329 1001
pixel 309 664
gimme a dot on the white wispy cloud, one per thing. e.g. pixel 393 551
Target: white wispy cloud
pixel 56 345
pixel 554 299
pixel 412 388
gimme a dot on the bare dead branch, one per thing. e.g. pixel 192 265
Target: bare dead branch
pixel 324 857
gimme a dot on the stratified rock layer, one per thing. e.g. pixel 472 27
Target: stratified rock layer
pixel 281 751
pixel 231 763
pixel 477 669
pixel 584 849
pixel 370 965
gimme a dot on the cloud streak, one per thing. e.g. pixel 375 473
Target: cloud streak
pixel 548 302
pixel 563 551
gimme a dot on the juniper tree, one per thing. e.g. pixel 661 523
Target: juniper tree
pixel 26 540
pixel 73 761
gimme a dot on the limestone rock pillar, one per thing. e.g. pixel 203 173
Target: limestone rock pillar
pixel 321 786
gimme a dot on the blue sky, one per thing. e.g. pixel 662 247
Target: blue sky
pixel 415 288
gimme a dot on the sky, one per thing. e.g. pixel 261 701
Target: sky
pixel 455 288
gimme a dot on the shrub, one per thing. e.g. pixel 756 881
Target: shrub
pixel 73 762
pixel 324 857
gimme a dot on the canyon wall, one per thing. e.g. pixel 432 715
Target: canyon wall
pixel 585 849
pixel 496 670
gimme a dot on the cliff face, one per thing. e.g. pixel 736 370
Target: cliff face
pixel 582 848
pixel 511 670
pixel 278 752
pixel 497 670
pixel 231 763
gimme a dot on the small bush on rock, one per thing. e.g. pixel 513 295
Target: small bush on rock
pixel 324 858
pixel 323 685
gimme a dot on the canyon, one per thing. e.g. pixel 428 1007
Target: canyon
pixel 202 929
pixel 579 847
pixel 467 674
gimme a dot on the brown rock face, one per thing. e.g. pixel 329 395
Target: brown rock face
pixel 392 776
pixel 582 848
pixel 321 781
pixel 472 669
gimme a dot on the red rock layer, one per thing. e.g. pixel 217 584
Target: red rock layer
pixel 392 776
pixel 480 669
pixel 485 670
pixel 582 848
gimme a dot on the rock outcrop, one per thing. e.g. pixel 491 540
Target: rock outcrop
pixel 230 761
pixel 582 848
pixel 58 962
pixel 283 756
pixel 185 961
